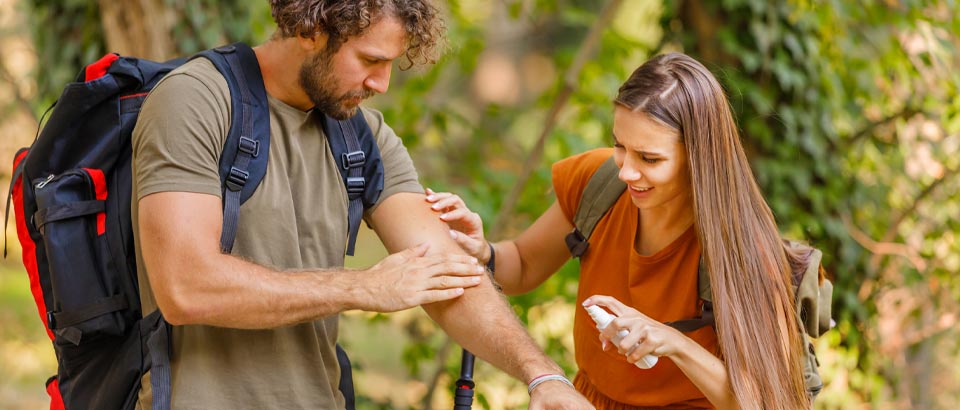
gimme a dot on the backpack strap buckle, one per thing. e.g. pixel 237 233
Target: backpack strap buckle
pixel 356 185
pixel 353 159
pixel 249 146
pixel 237 179
pixel 576 243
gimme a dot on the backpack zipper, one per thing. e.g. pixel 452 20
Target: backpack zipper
pixel 44 183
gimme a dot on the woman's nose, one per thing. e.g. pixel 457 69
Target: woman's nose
pixel 629 172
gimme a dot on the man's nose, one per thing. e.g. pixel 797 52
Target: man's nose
pixel 379 79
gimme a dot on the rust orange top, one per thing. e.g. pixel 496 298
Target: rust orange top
pixel 663 286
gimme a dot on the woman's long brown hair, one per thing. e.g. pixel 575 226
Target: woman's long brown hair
pixel 750 266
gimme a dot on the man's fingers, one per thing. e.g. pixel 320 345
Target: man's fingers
pixel 449 268
pixel 422 262
pixel 437 295
pixel 406 255
pixel 451 258
pixel 416 251
pixel 448 282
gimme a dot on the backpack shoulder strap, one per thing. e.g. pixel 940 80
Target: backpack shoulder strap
pixel 358 158
pixel 243 162
pixel 602 191
pixel 706 309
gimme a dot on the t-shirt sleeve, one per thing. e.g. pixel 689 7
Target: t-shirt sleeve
pixel 399 174
pixel 570 177
pixel 180 133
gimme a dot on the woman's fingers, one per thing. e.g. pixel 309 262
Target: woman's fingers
pixel 466 221
pixel 610 303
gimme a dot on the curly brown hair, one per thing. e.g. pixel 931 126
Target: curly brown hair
pixel 341 20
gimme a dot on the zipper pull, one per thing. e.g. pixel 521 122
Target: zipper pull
pixel 45 182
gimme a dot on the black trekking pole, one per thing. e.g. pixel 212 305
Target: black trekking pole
pixel 463 397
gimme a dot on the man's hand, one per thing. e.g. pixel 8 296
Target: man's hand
pixel 408 278
pixel 556 395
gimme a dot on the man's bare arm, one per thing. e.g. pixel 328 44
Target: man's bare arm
pixel 481 321
pixel 194 283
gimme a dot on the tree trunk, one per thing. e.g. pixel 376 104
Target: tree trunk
pixel 139 28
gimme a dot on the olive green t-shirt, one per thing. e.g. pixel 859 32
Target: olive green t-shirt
pixel 296 219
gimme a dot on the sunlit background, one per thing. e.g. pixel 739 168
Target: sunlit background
pixel 849 111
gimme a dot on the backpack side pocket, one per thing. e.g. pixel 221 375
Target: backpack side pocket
pixel 71 219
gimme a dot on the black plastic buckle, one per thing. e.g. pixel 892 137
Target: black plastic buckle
pixel 353 159
pixel 237 179
pixel 356 185
pixel 576 243
pixel 249 146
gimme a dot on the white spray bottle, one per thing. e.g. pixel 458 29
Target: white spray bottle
pixel 602 319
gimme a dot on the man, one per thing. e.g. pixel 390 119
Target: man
pixel 256 329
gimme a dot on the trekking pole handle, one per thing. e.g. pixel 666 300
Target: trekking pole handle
pixel 463 397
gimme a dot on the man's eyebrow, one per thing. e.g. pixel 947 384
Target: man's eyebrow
pixel 378 55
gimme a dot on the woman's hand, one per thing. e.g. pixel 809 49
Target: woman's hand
pixel 647 336
pixel 466 227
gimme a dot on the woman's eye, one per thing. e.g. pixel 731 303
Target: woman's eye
pixel 617 145
pixel 651 160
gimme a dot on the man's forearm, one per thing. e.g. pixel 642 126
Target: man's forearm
pixel 194 283
pixel 482 322
pixel 226 291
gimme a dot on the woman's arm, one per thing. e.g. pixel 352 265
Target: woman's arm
pixel 535 255
pixel 523 263
pixel 648 336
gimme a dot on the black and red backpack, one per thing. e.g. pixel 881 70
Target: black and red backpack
pixel 71 193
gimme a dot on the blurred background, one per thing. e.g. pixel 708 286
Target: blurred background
pixel 849 112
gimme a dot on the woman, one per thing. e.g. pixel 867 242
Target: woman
pixel 690 194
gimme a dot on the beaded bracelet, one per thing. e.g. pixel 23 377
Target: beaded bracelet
pixel 545 378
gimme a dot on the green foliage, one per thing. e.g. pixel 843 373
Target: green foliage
pixel 848 110
pixel 844 108
pixel 823 93
pixel 474 147
pixel 198 25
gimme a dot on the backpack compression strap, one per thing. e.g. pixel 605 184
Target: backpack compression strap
pixel 602 191
pixel 242 163
pixel 17 173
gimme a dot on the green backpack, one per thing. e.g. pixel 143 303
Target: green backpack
pixel 813 291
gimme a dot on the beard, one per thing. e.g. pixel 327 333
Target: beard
pixel 319 83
